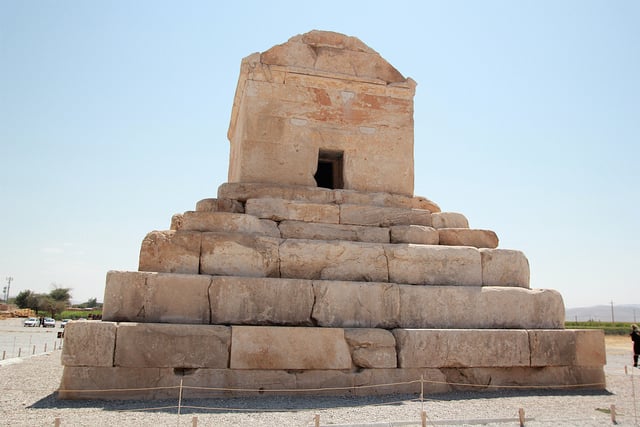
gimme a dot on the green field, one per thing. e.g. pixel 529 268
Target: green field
pixel 609 328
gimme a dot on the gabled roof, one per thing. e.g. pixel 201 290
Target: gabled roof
pixel 326 51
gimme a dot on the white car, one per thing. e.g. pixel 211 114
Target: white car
pixel 31 322
pixel 49 323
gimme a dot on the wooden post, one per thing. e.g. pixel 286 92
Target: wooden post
pixel 4 352
pixel 194 422
pixel 521 416
pixel 613 414
pixel 317 420
pixel 34 350
pixel 56 422
pixel 54 345
pixel 45 347
pixel 19 351
pixel 423 415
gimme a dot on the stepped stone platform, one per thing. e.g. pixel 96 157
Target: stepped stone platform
pixel 316 270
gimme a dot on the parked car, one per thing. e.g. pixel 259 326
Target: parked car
pixel 49 323
pixel 31 322
pixel 64 322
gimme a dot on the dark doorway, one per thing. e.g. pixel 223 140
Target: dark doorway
pixel 329 172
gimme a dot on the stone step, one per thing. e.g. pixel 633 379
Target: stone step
pixel 243 191
pixel 153 345
pixel 226 300
pixel 239 254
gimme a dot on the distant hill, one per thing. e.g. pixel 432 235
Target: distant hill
pixel 602 313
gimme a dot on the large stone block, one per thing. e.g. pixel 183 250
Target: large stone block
pixel 265 347
pixel 448 220
pixel 171 252
pixel 480 307
pixel 236 254
pixel 281 209
pixel 407 381
pixel 220 205
pixel 383 216
pixel 89 343
pixel 372 348
pixel 416 234
pixel 261 301
pixel 444 348
pixel 156 297
pixel 336 260
pixel 356 304
pixel 157 345
pixel 434 265
pixel 228 222
pixel 504 267
pixel 244 191
pixel 590 348
pixel 317 231
pixel 384 199
pixel 468 237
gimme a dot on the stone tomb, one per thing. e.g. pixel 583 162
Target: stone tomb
pixel 316 270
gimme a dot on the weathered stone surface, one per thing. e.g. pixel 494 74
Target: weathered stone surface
pixel 383 216
pixel 317 231
pixel 504 267
pixel 480 307
pixel 468 237
pixel 356 304
pixel 229 222
pixel 434 265
pixel 448 220
pixel 170 252
pixel 220 205
pixel 590 348
pixel 442 348
pixel 244 191
pixel 372 348
pixel 157 345
pixel 261 301
pixel 265 347
pixel 156 297
pixel 384 199
pixel 176 222
pixel 416 234
pixel 281 209
pixel 236 254
pixel 89 343
pixel 309 259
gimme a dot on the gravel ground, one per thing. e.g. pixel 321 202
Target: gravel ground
pixel 27 398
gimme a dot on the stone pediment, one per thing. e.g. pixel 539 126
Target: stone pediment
pixel 329 52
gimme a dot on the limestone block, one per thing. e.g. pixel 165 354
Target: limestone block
pixel 443 348
pixel 416 234
pixel 468 237
pixel 176 222
pixel 156 297
pixel 243 191
pixel 383 216
pixel 220 205
pixel 504 267
pixel 89 343
pixel 353 197
pixel 390 381
pixel 434 265
pixel 118 383
pixel 158 345
pixel 335 260
pixel 170 252
pixel 552 347
pixel 238 382
pixel 236 254
pixel 448 220
pixel 260 301
pixel 480 307
pixel 371 348
pixel 317 231
pixel 271 347
pixel 229 222
pixel 356 304
pixel 281 209
pixel 590 348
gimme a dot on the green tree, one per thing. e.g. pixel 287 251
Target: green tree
pixel 27 299
pixel 60 294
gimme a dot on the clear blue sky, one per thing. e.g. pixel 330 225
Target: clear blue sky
pixel 113 117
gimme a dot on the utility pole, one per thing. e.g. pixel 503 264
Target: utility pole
pixel 9 280
pixel 613 320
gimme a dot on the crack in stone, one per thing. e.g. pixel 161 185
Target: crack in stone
pixel 209 301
